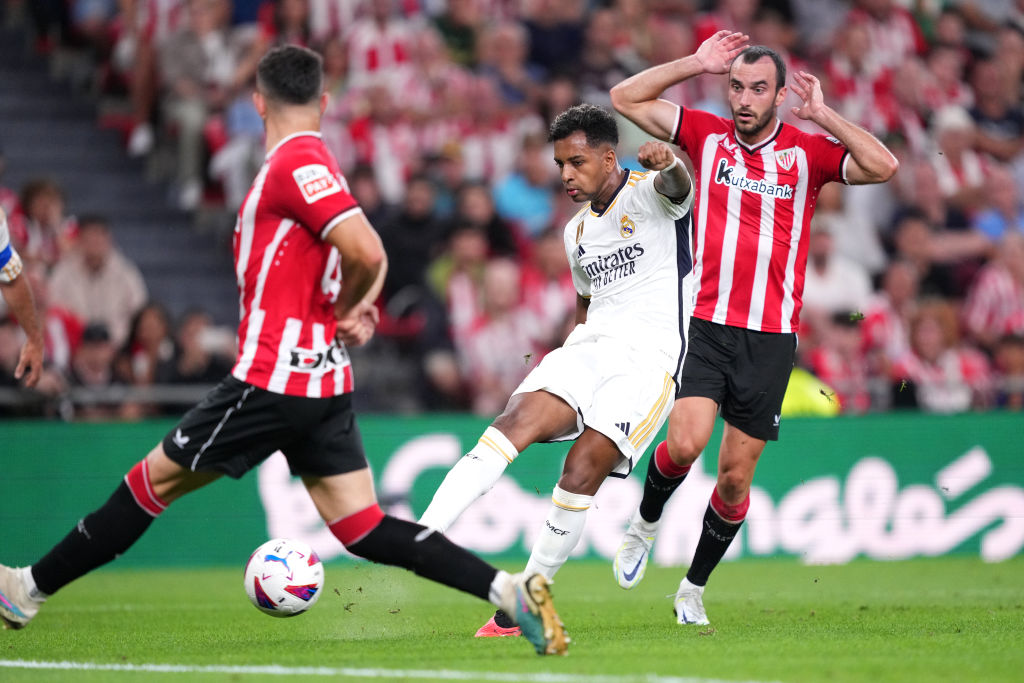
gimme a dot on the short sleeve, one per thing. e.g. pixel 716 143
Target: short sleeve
pixel 828 159
pixel 10 263
pixel 580 280
pixel 647 197
pixel 312 193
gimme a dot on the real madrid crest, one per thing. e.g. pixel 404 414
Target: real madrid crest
pixel 627 227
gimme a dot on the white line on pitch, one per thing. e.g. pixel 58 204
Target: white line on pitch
pixel 347 672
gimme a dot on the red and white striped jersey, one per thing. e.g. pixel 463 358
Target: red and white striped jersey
pixel 752 216
pixel 288 276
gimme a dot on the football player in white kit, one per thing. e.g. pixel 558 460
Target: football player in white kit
pixel 611 385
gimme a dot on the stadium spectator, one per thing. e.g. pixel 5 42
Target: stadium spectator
pixel 98 395
pixel 203 352
pixel 833 283
pixel 961 170
pixel 385 140
pixel 1008 367
pixel 995 301
pixel 456 276
pixel 938 374
pixel 1003 211
pixel 503 52
pixel 475 206
pixel 599 67
pixel 202 66
pixel 548 289
pixel 42 230
pixel 554 33
pixel 503 343
pixel 380 47
pixel 37 399
pixel 840 362
pixel 459 25
pixel 913 241
pixel 893 34
pixel 97 282
pixel 149 346
pixel 885 329
pixel 996 111
pixel 526 197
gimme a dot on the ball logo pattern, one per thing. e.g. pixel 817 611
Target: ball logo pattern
pixel 284 577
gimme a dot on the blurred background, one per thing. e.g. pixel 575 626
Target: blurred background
pixel 128 140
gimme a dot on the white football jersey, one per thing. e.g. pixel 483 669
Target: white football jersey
pixel 633 262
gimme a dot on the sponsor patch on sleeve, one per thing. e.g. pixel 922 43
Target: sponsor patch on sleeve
pixel 315 182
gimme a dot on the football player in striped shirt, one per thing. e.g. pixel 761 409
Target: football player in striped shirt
pixel 309 267
pixel 757 180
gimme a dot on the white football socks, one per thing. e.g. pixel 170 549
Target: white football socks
pixel 471 477
pixel 562 529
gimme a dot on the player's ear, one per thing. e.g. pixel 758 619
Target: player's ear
pixel 325 98
pixel 780 96
pixel 260 103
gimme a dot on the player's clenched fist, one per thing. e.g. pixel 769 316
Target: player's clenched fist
pixel 655 155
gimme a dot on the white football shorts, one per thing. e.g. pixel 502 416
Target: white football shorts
pixel 614 389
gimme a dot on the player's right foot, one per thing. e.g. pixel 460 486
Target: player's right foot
pixel 689 604
pixel 499 625
pixel 16 607
pixel 536 615
pixel 635 551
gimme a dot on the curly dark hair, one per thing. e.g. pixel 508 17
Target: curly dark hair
pixel 596 123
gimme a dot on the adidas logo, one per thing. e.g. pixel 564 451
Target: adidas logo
pixel 624 426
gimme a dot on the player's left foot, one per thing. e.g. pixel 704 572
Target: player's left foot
pixel 689 604
pixel 635 551
pixel 16 607
pixel 536 615
pixel 499 625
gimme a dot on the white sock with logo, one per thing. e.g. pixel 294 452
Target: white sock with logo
pixel 562 530
pixel 471 477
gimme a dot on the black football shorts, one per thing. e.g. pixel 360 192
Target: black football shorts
pixel 237 426
pixel 745 372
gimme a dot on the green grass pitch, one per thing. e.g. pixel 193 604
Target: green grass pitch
pixel 945 619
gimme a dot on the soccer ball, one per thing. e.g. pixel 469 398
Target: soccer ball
pixel 284 577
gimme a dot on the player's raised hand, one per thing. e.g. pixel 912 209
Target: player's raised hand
pixel 717 52
pixel 808 89
pixel 357 325
pixel 654 155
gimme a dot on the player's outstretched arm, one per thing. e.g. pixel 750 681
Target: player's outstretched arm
pixel 870 160
pixel 672 180
pixel 637 97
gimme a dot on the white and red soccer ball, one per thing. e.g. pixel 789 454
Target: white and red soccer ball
pixel 284 577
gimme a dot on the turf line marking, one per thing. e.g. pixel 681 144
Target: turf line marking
pixel 346 672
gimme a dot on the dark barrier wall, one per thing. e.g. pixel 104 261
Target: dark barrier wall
pixel 885 487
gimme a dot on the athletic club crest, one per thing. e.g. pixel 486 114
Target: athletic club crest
pixel 785 158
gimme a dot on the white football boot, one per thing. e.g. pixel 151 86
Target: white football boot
pixel 635 551
pixel 689 604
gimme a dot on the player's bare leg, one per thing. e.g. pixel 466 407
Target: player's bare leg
pixel 148 488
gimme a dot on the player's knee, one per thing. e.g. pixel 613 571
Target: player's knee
pixel 581 479
pixel 683 449
pixel 733 486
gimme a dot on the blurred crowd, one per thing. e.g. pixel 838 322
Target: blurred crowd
pixel 438 116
